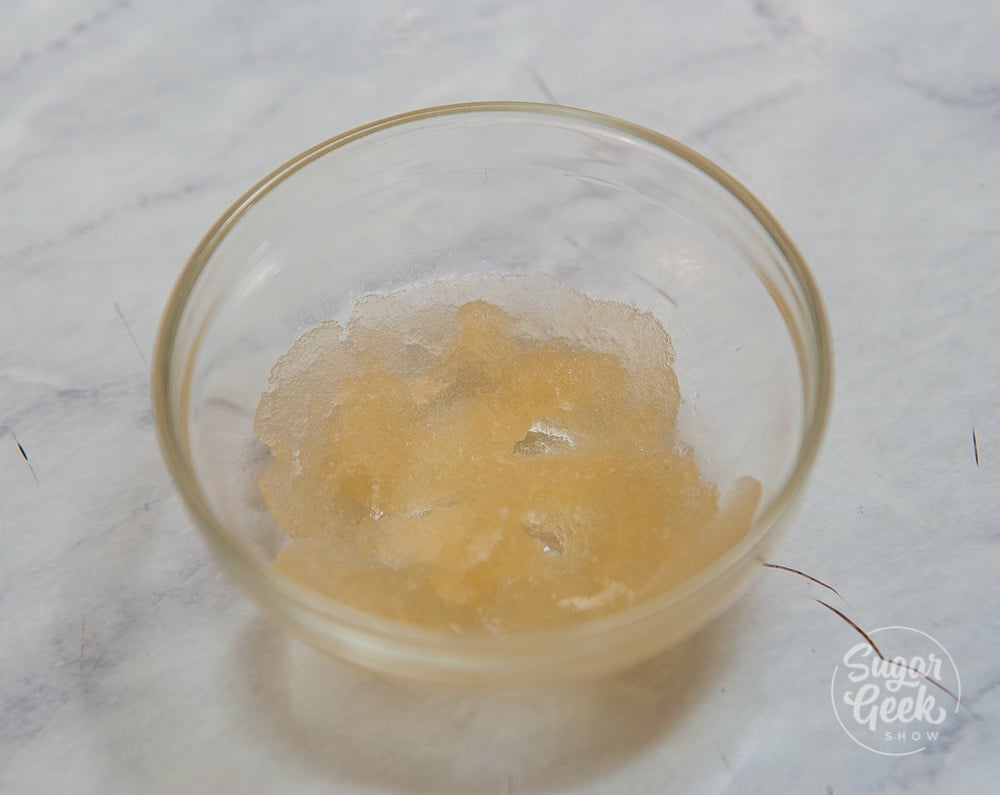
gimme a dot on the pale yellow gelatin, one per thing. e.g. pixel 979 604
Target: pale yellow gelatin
pixel 499 466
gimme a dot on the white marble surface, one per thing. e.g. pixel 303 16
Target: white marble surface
pixel 128 664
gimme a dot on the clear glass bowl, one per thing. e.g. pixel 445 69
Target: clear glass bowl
pixel 614 210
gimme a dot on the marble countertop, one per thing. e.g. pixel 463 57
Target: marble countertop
pixel 128 663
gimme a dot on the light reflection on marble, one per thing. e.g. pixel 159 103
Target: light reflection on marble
pixel 128 663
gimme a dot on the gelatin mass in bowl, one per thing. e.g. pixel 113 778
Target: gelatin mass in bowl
pixel 489 455
pixel 614 211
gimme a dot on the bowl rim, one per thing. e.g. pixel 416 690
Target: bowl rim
pixel 356 627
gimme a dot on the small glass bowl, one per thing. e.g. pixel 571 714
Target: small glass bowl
pixel 611 208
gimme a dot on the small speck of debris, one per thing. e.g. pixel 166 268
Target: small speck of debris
pixel 544 88
pixel 663 293
pixel 723 757
pixel 24 455
pixel 802 574
pixel 894 661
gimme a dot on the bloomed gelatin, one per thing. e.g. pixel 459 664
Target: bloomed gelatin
pixel 502 464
